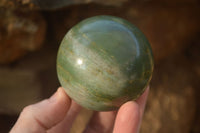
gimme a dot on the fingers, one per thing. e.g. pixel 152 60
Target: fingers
pixel 101 122
pixel 127 120
pixel 44 115
pixel 130 114
pixel 52 112
pixel 65 125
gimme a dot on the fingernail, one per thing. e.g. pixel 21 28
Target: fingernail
pixel 53 98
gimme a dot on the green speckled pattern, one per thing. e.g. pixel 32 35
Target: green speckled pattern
pixel 103 62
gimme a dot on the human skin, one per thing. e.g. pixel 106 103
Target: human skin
pixel 56 115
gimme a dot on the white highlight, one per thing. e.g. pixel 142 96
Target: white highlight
pixel 79 61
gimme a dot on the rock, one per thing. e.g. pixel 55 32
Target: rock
pixel 107 53
pixel 171 104
pixel 20 32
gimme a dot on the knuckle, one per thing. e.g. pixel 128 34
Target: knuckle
pixel 27 110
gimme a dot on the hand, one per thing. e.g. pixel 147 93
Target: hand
pixel 56 115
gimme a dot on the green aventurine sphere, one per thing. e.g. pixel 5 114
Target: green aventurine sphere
pixel 103 62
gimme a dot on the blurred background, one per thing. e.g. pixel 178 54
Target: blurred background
pixel 31 32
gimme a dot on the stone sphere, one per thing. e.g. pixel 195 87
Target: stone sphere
pixel 103 62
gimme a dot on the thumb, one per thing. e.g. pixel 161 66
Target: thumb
pixel 38 118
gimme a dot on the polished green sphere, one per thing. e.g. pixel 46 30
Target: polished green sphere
pixel 103 62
